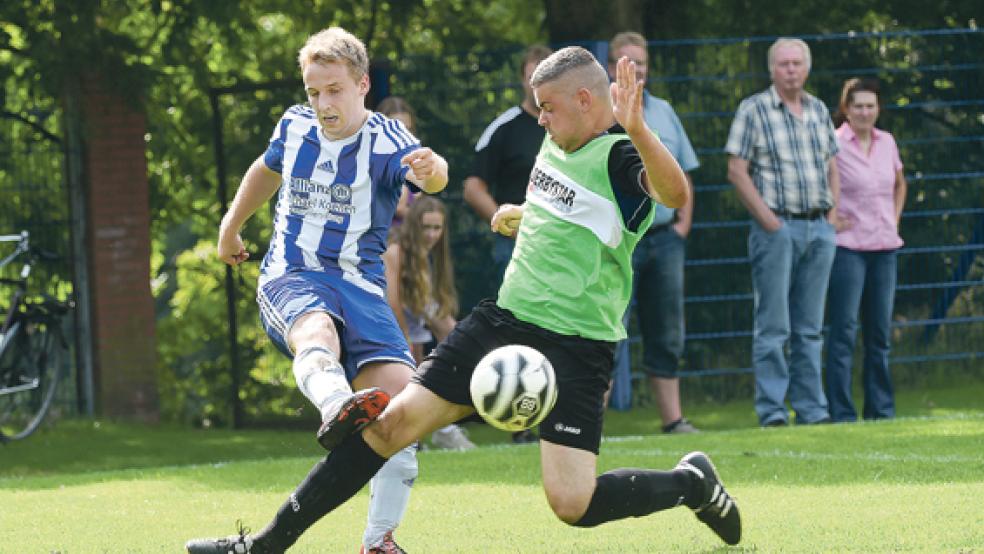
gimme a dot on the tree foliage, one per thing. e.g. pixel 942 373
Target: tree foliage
pixel 454 59
pixel 166 56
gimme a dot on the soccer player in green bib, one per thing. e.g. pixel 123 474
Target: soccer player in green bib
pixel 589 200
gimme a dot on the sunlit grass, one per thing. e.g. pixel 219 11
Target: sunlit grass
pixel 911 484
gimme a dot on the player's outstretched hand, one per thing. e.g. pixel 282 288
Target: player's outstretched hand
pixel 231 249
pixel 627 97
pixel 506 219
pixel 423 164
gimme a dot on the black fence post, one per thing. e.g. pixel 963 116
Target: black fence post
pixel 230 284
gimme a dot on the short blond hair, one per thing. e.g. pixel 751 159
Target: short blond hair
pixel 335 45
pixel 786 41
pixel 623 39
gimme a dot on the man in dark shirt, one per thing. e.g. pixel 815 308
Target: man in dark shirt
pixel 504 157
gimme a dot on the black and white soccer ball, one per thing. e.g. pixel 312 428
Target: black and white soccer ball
pixel 514 387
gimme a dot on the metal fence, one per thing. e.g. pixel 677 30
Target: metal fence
pixel 933 95
pixel 35 199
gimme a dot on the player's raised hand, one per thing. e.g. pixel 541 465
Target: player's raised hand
pixel 231 249
pixel 627 97
pixel 506 219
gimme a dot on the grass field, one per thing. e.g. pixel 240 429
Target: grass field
pixel 915 484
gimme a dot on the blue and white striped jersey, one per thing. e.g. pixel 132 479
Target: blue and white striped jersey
pixel 337 197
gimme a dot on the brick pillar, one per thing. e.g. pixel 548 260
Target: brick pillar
pixel 118 251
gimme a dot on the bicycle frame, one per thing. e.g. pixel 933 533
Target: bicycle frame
pixel 8 329
pixel 32 348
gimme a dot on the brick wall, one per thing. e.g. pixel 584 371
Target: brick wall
pixel 118 249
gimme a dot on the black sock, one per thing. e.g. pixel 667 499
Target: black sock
pixel 622 493
pixel 330 483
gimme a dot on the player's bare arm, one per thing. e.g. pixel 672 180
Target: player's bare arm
pixel 506 219
pixel 428 170
pixel 749 196
pixel 476 194
pixel 664 179
pixel 258 185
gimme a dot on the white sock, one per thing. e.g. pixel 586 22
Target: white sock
pixel 389 494
pixel 321 379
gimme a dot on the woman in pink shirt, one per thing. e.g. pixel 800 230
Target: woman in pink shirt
pixel 863 276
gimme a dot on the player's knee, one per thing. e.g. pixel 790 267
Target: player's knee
pixel 384 434
pixel 568 506
pixel 311 328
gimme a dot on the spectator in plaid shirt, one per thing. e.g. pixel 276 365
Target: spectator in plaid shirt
pixel 781 161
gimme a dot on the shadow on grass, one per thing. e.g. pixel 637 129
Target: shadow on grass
pixel 941 426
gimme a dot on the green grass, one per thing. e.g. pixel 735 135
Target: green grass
pixel 912 484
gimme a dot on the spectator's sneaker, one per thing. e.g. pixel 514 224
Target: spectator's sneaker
pixel 354 413
pixel 233 544
pixel 388 546
pixel 681 425
pixel 451 437
pixel 717 509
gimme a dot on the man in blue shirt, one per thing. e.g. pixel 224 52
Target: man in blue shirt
pixel 658 260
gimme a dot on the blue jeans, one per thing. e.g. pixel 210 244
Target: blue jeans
pixel 790 273
pixel 862 281
pixel 502 250
pixel 658 291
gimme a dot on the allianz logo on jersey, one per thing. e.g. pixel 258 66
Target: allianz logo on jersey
pixel 327 165
pixel 311 198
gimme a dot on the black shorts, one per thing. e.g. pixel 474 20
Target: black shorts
pixel 583 367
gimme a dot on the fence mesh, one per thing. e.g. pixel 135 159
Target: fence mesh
pixel 933 102
pixel 35 199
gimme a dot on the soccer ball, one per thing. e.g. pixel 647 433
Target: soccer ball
pixel 513 387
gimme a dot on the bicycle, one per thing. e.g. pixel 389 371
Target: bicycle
pixel 33 348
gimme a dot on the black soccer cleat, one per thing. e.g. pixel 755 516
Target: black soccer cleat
pixel 717 509
pixel 234 544
pixel 242 543
pixel 356 412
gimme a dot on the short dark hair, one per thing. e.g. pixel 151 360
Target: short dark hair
pixel 560 62
pixel 534 53
pixel 852 87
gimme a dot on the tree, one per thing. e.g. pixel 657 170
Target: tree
pixel 579 20
pixel 454 58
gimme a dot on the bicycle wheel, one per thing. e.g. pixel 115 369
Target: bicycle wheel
pixel 29 375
